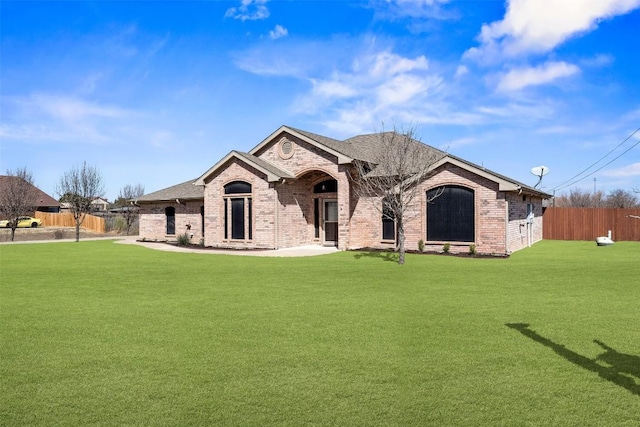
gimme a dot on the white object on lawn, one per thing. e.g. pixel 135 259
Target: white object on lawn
pixel 604 240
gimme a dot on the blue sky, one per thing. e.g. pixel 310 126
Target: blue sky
pixel 156 92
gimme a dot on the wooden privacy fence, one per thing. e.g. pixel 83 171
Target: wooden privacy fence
pixel 589 223
pixel 93 223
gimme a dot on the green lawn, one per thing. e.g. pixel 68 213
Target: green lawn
pixel 96 333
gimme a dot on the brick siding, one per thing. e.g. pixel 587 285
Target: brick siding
pixel 153 221
pixel 283 212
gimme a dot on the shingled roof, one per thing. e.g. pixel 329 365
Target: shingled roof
pixel 360 147
pixel 365 148
pixel 43 200
pixel 186 190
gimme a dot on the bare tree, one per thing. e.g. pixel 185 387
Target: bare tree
pixel 581 199
pixel 398 163
pixel 126 202
pixel 78 187
pixel 621 199
pixel 585 199
pixel 17 196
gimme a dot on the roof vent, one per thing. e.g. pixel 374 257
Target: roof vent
pixel 286 148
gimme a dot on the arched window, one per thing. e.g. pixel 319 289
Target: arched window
pixel 451 214
pixel 237 211
pixel 170 214
pixel 237 187
pixel 328 186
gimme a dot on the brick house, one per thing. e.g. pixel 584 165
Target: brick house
pixel 294 189
pixel 43 201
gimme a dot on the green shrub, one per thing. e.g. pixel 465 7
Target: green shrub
pixel 184 239
pixel 120 224
pixel 421 245
pixel 472 249
pixel 446 247
pixel 58 234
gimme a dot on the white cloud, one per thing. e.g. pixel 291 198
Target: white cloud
pixel 386 64
pixel 598 61
pixel 521 78
pixel 249 10
pixel 46 117
pixel 462 70
pixel 380 79
pixel 70 108
pixel 403 88
pixel 293 58
pixel 278 32
pixel 332 89
pixel 412 9
pixel 363 85
pixel 417 3
pixel 541 25
pixel 625 171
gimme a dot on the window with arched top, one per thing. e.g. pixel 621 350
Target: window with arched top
pixel 451 214
pixel 238 221
pixel 237 187
pixel 328 186
pixel 170 216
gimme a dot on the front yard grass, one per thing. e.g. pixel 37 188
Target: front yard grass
pixel 96 333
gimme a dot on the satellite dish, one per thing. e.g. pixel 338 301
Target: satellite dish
pixel 539 171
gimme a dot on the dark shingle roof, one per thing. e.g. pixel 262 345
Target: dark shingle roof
pixel 265 165
pixel 366 148
pixel 185 190
pixel 43 200
pixel 331 143
pixel 360 147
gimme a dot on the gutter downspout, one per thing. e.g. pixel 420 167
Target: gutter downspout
pixel 506 225
pixel 276 213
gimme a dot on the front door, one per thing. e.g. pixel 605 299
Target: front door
pixel 331 222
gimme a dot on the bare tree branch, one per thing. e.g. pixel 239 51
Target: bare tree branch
pixel 125 201
pixel 397 165
pixel 618 198
pixel 17 196
pixel 77 188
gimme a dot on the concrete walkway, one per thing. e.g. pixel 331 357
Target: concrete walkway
pixel 299 251
pixel 309 250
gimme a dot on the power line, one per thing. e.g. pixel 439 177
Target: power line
pixel 562 186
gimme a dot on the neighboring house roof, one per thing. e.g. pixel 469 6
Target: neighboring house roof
pixel 42 199
pixel 122 209
pixel 186 190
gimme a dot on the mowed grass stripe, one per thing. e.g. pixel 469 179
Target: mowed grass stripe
pixel 106 334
